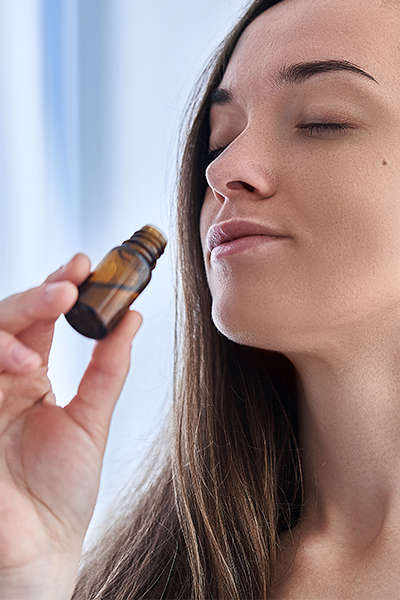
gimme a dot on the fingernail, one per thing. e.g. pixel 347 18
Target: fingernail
pixel 67 264
pixel 61 269
pixel 25 357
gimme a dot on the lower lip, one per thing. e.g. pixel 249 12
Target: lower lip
pixel 242 244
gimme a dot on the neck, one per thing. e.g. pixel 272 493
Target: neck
pixel 349 424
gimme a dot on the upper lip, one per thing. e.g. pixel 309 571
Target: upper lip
pixel 227 231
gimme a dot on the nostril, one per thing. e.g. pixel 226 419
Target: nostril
pixel 248 187
pixel 238 185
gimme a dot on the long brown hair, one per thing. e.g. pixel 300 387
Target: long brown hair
pixel 207 524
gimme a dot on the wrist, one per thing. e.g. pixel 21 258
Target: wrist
pixel 45 580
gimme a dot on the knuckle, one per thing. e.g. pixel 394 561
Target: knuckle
pixel 7 345
pixel 40 384
pixel 27 388
pixel 17 394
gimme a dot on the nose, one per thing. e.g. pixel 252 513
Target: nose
pixel 243 170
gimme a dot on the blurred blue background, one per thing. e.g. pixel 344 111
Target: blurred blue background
pixel 92 93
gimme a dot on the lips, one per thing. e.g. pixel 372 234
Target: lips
pixel 229 231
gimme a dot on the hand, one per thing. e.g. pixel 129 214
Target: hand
pixel 50 457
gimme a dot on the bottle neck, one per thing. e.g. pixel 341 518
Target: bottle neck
pixel 147 252
pixel 151 241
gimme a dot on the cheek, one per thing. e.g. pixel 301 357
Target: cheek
pixel 349 199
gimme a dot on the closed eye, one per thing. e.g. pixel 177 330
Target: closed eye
pixel 213 153
pixel 321 129
pixel 310 129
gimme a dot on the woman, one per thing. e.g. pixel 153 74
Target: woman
pixel 281 481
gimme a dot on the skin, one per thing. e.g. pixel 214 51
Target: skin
pixel 50 457
pixel 328 296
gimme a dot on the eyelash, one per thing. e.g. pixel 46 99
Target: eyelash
pixel 309 128
pixel 213 153
pixel 320 128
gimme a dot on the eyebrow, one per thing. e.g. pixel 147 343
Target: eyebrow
pixel 301 71
pixel 297 73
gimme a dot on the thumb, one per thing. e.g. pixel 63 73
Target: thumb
pixel 103 380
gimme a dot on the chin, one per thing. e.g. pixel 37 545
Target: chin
pixel 277 327
pixel 246 329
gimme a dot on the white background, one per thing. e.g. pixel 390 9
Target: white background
pixel 92 94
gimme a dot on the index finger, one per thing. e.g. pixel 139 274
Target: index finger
pixel 44 303
pixel 76 270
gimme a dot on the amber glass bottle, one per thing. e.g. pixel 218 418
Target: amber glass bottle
pixel 115 283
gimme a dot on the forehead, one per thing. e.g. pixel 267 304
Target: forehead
pixel 366 33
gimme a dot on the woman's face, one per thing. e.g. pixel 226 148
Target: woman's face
pixel 305 130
